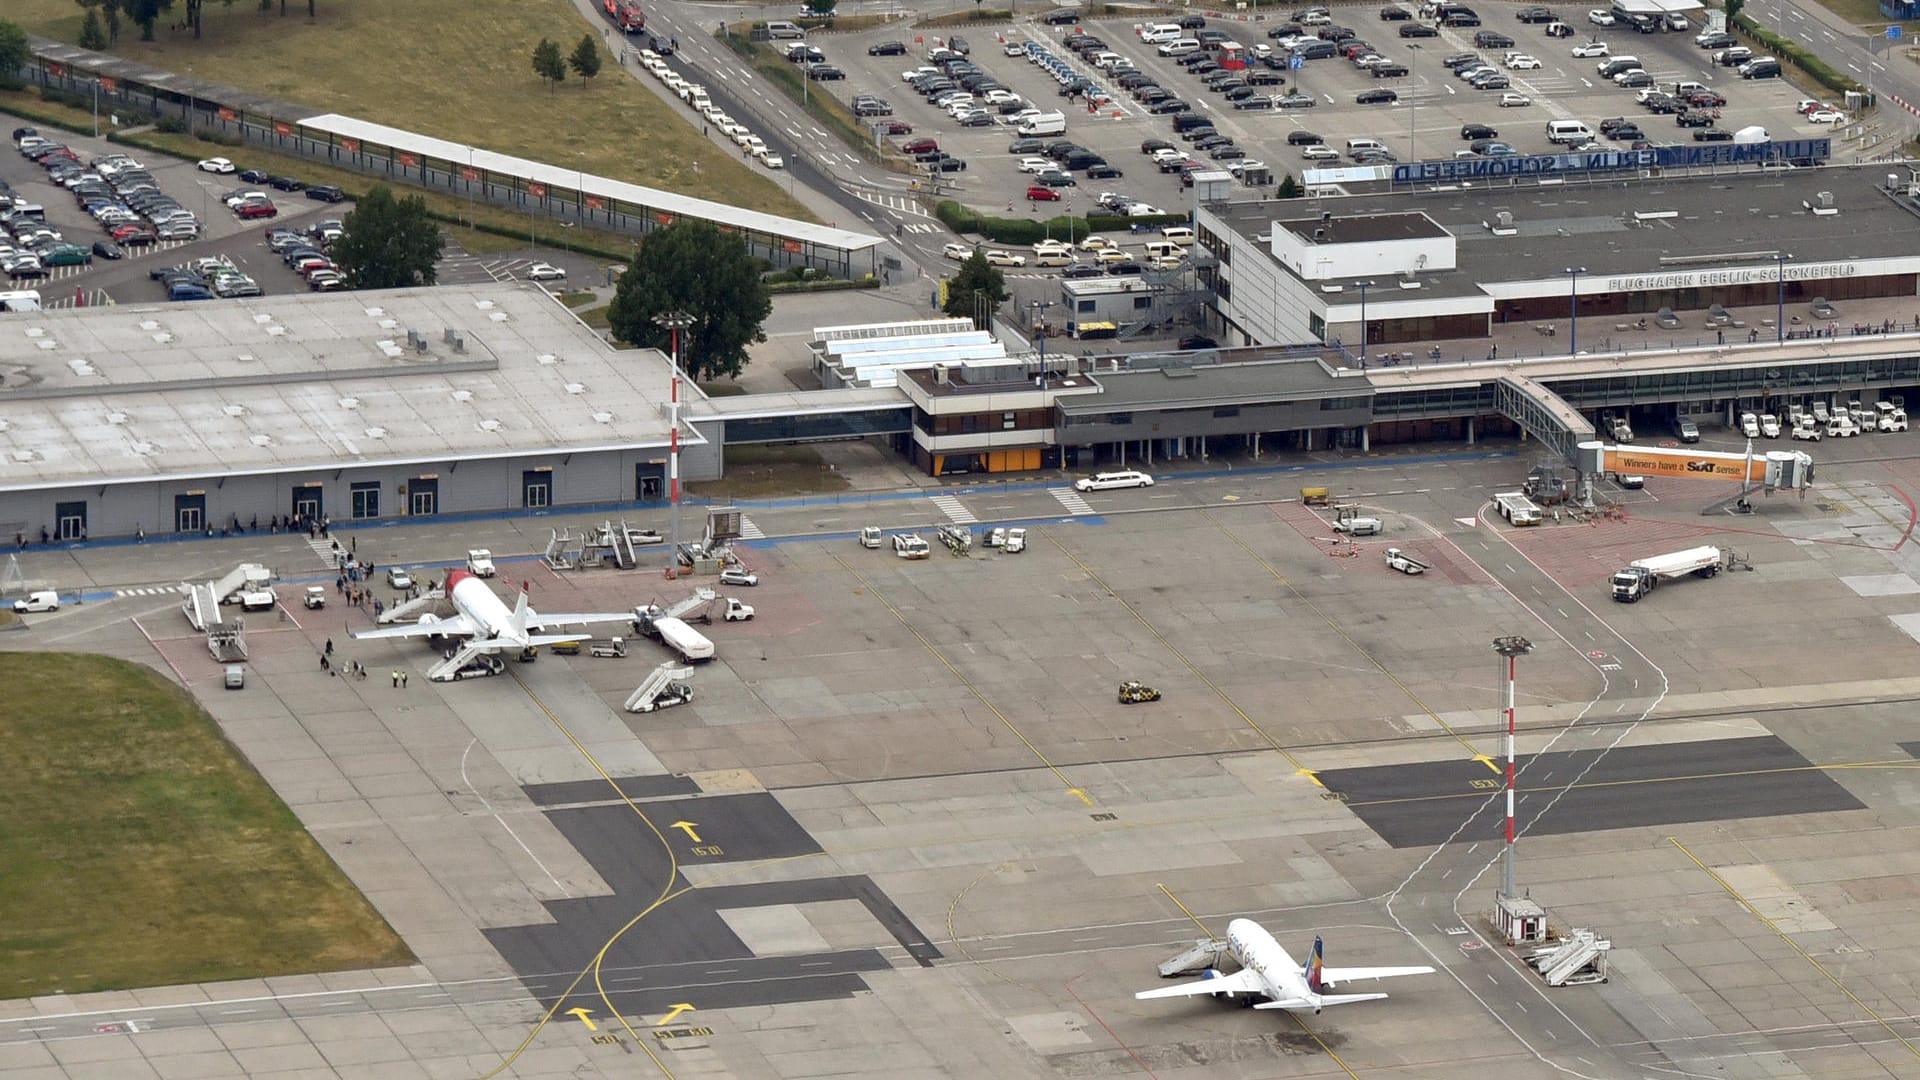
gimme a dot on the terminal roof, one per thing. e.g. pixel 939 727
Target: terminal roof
pixel 1194 386
pixel 142 392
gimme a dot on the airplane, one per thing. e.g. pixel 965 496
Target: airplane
pixel 486 622
pixel 1266 970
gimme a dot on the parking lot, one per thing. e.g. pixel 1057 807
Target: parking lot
pixel 1428 119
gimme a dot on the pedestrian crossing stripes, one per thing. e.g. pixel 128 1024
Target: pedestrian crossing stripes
pixel 952 507
pixel 323 547
pixel 750 531
pixel 149 590
pixel 1070 499
pixel 898 203
pixel 922 227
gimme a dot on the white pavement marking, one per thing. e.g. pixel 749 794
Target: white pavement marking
pixel 750 531
pixel 1070 499
pixel 950 505
pixel 148 590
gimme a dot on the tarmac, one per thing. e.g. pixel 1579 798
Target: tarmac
pixel 905 830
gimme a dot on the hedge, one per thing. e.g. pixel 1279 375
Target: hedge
pixel 822 285
pixel 1800 57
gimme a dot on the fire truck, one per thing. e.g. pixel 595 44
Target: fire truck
pixel 626 15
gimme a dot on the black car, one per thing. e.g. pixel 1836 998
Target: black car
pixel 1198 341
pixel 1060 17
pixel 1722 40
pixel 1492 39
pixel 1134 80
pixel 1226 153
pixel 1418 30
pixel 1634 80
pixel 255 176
pixel 888 48
pixel 1257 101
pixel 1626 133
pixel 1375 97
pixel 107 249
pixel 1395 14
pixel 1712 134
pixel 1123 267
pixel 1152 95
pixel 947 163
pixel 1460 18
pixel 1170 105
pixel 326 193
pixel 1103 172
pixel 1390 71
pixel 285 183
pixel 1054 179
pixel 1192 22
pixel 1150 145
pixel 1456 61
pixel 1083 270
pixel 1211 141
pixel 825 73
pixel 1304 138
pixel 1536 15
pixel 1026 146
pixel 1336 34
pixel 1477 131
pixel 959 44
pixel 1263 77
pixel 1062 149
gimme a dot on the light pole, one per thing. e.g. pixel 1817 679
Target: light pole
pixel 1364 286
pixel 1511 647
pixel 1039 328
pixel 674 321
pixel 1573 309
pixel 1413 107
pixel 1780 296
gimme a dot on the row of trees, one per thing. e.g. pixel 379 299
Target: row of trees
pixel 101 27
pixel 584 60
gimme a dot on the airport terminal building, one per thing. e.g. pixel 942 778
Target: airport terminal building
pixel 161 418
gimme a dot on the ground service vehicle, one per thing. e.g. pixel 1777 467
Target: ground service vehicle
pixel 1406 564
pixel 1133 692
pixel 1517 508
pixel 44 600
pixel 1017 539
pixel 675 634
pixel 911 546
pixel 737 611
pixel 480 562
pixel 315 597
pixel 1640 577
pixel 609 649
pixel 870 536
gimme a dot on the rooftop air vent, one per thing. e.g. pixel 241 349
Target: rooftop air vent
pixel 463 395
pixel 144 449
pixel 376 433
pixel 81 367
pixel 374 312
pixel 603 418
pixel 489 424
pixel 261 439
pixel 1502 224
pixel 1822 205
pixel 576 388
pixel 349 402
pixel 116 417
pixel 549 359
pixel 234 410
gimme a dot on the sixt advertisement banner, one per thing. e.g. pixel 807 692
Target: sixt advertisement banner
pixel 1698 465
pixel 1697 155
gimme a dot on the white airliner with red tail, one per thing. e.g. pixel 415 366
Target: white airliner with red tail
pixel 1266 971
pixel 486 625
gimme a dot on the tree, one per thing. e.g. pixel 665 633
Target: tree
pixel 145 13
pixel 15 52
pixel 93 36
pixel 976 290
pixel 1733 11
pixel 585 60
pixel 547 62
pixel 388 243
pixel 1289 187
pixel 822 9
pixel 693 267
pixel 109 10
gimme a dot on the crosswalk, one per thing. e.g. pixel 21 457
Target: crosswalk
pixel 921 227
pixel 1070 499
pixel 750 531
pixel 899 204
pixel 954 509
pixel 148 590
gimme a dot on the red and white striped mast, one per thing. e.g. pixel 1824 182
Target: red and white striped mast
pixel 1512 647
pixel 675 322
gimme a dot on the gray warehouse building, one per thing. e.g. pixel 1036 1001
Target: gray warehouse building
pixel 159 418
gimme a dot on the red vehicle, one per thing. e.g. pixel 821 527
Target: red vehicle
pixel 249 210
pixel 895 127
pixel 919 146
pixel 1041 193
pixel 626 15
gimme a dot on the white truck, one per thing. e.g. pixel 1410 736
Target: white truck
pixel 1640 577
pixel 737 611
pixel 1406 564
pixel 480 562
pixel 258 600
pixel 674 633
pixel 911 546
pixel 1015 542
pixel 870 536
pixel 1891 417
pixel 1516 508
pixel 247 578
pixel 314 598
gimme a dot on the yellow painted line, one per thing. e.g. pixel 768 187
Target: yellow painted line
pixel 1072 789
pixel 1804 954
pixel 1331 1056
pixel 1191 917
pixel 1192 669
pixel 1357 647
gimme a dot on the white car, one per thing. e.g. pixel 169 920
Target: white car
pixel 1826 116
pixel 1096 243
pixel 1514 101
pixel 734 575
pixel 1108 480
pixel 772 160
pixel 1141 209
pixel 545 272
pixel 1591 48
pixel 957 252
pixel 1319 152
pixel 1523 62
pixel 239 197
pixel 216 165
pixel 1600 18
pixel 1036 165
pixel 997 257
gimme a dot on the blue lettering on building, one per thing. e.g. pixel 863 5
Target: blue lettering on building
pixel 1798 151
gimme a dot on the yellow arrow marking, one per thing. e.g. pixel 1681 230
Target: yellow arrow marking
pixel 673 1011
pixel 1311 775
pixel 1081 795
pixel 583 1013
pixel 686 827
pixel 1487 761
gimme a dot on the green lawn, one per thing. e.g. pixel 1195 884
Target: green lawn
pixel 139 849
pixel 456 69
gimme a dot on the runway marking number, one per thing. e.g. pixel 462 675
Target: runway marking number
pixel 1485 785
pixel 709 850
pixel 605 1040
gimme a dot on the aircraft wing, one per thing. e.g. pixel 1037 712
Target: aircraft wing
pixel 539 620
pixel 1339 976
pixel 555 639
pixel 1244 981
pixel 1320 1002
pixel 456 625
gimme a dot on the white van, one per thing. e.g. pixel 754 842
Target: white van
pixel 1161 34
pixel 44 600
pixel 1052 123
pixel 1165 249
pixel 1570 132
pixel 1180 47
pixel 1179 234
pixel 1354 146
pixel 782 30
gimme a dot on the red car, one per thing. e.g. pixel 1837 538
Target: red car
pixel 919 146
pixel 1039 193
pixel 250 210
pixel 895 127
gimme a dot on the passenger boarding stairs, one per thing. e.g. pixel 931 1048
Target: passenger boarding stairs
pixel 1581 957
pixel 657 683
pixel 1205 953
pixel 407 608
pixel 467 662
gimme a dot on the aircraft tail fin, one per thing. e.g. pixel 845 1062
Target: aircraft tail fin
pixel 520 613
pixel 1313 967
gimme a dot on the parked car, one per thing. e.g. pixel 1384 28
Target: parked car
pixel 545 272
pixel 1375 97
pixel 215 165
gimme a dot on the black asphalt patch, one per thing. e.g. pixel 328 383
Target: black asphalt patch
pixel 592 791
pixel 1912 748
pixel 1631 787
pixel 654 955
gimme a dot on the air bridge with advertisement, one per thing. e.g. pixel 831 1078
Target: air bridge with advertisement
pixel 1797 152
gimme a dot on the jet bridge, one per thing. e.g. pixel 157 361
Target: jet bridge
pixel 1542 414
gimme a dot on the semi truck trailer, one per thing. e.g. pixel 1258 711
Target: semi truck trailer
pixel 1640 577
